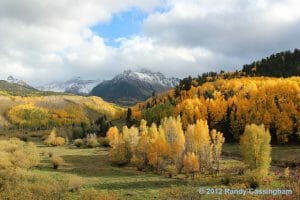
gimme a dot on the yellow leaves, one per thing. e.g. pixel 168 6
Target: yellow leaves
pixel 113 136
pixel 53 140
pixel 110 110
pixel 28 115
pixel 17 154
pixel 190 163
pixel 256 148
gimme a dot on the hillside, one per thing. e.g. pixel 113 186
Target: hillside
pixel 44 112
pixel 131 87
pixel 283 64
pixel 16 89
pixel 229 105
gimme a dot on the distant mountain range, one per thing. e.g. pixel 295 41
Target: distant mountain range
pixel 11 79
pixel 126 88
pixel 130 87
pixel 75 85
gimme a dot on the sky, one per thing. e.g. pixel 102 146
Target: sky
pixel 50 40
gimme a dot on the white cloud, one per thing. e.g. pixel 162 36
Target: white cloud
pixel 46 40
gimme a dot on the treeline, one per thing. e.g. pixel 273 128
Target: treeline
pixel 228 105
pixel 283 64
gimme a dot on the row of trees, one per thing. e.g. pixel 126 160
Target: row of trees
pixel 228 105
pixel 167 147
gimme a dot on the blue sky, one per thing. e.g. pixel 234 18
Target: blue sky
pixel 122 25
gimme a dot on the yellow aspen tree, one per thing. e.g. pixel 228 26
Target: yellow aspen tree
pixel 158 151
pixel 113 136
pixel 175 137
pixel 190 164
pixel 217 141
pixel 143 146
pixel 131 137
pixel 256 149
pixel 202 144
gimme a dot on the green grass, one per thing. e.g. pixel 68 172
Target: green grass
pixel 93 166
pixel 128 183
pixel 279 153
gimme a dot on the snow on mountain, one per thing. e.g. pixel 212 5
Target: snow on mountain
pixel 147 76
pixel 11 79
pixel 75 85
pixel 130 87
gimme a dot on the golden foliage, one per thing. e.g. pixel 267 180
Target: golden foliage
pixel 256 149
pixel 18 154
pixel 53 140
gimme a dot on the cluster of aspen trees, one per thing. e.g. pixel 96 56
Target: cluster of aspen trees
pixel 167 148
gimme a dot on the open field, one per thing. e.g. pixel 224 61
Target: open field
pixel 93 166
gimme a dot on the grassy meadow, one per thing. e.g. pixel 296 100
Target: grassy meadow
pixel 93 166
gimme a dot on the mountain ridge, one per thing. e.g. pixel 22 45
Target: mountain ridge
pixel 130 87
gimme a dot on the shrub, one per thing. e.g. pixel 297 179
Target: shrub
pixel 23 138
pixel 91 141
pixel 78 142
pixel 58 141
pixel 23 185
pixel 171 170
pixel 50 154
pixel 286 172
pixel 75 183
pixel 104 142
pixel 18 154
pixel 120 155
pixel 53 140
pixel 56 161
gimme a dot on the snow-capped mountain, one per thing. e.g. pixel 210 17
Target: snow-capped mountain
pixel 75 85
pixel 11 79
pixel 130 86
pixel 147 76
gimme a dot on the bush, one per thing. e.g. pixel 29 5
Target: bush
pixel 120 155
pixel 171 170
pixel 104 142
pixel 23 185
pixel 78 142
pixel 91 141
pixel 53 140
pixel 58 141
pixel 56 161
pixel 75 183
pixel 18 154
pixel 286 172
pixel 23 138
pixel 92 194
pixel 50 154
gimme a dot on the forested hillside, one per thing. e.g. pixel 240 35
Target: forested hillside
pixel 228 105
pixel 283 64
pixel 46 112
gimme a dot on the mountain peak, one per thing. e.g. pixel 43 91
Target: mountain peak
pixel 11 79
pixel 130 86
